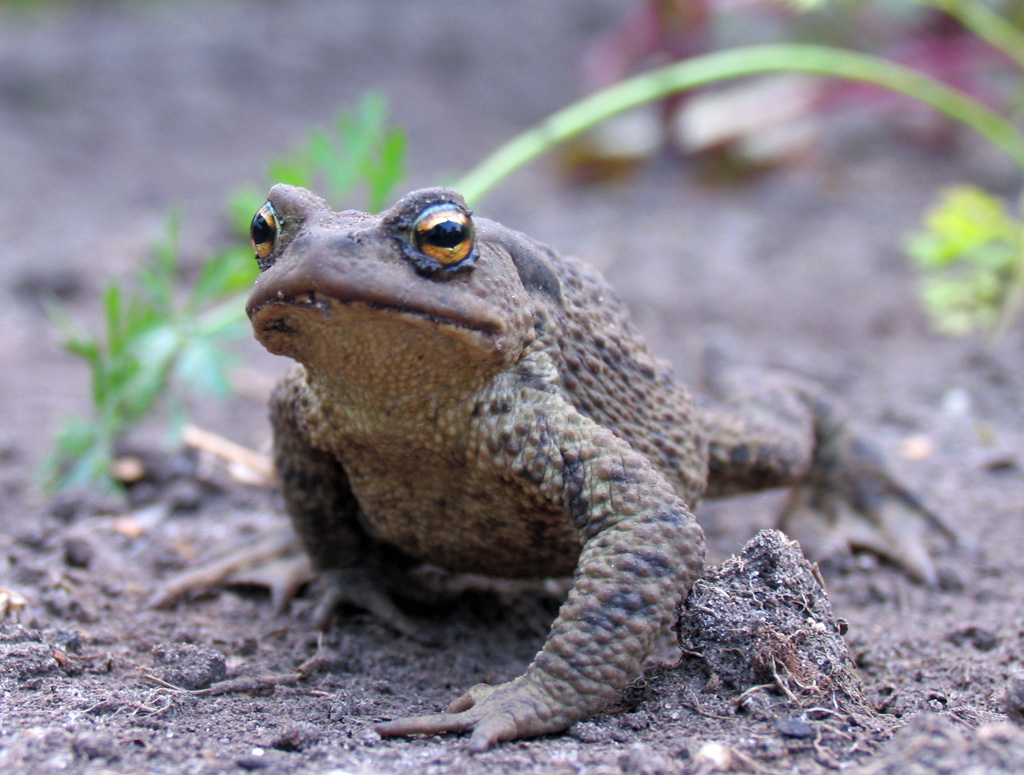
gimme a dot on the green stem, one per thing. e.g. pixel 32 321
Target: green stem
pixel 986 24
pixel 725 65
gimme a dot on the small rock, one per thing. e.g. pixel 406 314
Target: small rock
pixel 72 504
pixel 1001 461
pixel 65 507
pixel 9 450
pixel 635 721
pixel 714 757
pixel 934 743
pixel 589 732
pixel 794 727
pixel 78 552
pixel 128 469
pixel 184 495
pixel 758 706
pixel 71 642
pixel 918 447
pixel 366 737
pixel 251 763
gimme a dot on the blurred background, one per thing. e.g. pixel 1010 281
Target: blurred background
pixel 773 210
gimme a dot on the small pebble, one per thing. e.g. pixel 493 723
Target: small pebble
pixel 714 757
pixel 796 728
pixel 78 552
pixel 251 763
pixel 70 642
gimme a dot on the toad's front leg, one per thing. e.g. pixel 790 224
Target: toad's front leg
pixel 642 550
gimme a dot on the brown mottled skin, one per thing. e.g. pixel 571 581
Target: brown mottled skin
pixel 499 415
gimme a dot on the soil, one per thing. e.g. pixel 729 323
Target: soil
pixel 112 113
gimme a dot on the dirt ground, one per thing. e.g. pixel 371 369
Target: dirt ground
pixel 110 114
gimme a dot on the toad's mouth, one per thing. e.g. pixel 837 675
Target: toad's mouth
pixel 280 313
pixel 314 304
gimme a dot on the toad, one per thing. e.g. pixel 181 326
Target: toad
pixel 465 396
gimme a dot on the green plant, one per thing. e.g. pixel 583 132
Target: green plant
pixel 971 258
pixel 360 149
pixel 154 347
pixel 151 342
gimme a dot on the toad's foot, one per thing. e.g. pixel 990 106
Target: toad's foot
pixel 275 561
pixel 361 588
pixel 852 502
pixel 493 714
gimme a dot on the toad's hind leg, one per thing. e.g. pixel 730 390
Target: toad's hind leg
pixel 779 430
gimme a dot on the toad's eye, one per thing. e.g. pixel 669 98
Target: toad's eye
pixel 263 231
pixel 445 233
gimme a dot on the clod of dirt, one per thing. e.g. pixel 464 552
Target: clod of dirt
pixel 96 745
pixel 979 637
pixel 42 284
pixel 1013 697
pixel 21 662
pixel 932 744
pixel 640 759
pixel 70 505
pixel 296 737
pixel 762 618
pixel 189 667
pixel 27 655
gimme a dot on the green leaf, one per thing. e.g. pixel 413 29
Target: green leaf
pixel 81 458
pixel 293 171
pixel 388 172
pixel 964 223
pixel 969 258
pixel 337 168
pixel 242 205
pixel 203 368
pixel 229 272
pixel 157 277
pixel 113 308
